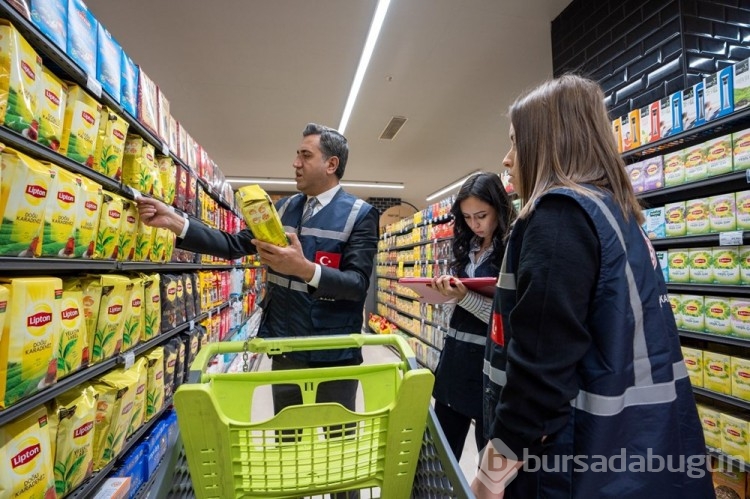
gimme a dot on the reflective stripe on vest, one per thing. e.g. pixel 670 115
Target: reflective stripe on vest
pixel 496 375
pixel 466 337
pixel 286 283
pixel 285 205
pixel 659 393
pixel 333 234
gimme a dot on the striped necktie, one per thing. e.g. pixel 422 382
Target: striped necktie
pixel 309 209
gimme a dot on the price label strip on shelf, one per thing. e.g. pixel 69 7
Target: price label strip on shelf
pixel 732 238
pixel 94 86
pixel 129 358
pixel 164 148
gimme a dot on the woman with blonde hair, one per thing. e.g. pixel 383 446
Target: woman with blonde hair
pixel 586 391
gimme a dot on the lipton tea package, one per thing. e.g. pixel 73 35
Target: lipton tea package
pixel 110 144
pixel 20 75
pixel 133 321
pixel 116 391
pixel 73 348
pixel 26 454
pixel 260 215
pixel 90 208
pixel 127 239
pixel 75 415
pixel 155 394
pixel 28 349
pixel 81 126
pixel 110 224
pixel 139 370
pixel 61 214
pixel 52 97
pixel 151 306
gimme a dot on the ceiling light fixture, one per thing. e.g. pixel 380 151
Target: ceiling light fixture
pixel 284 181
pixel 364 61
pixel 448 188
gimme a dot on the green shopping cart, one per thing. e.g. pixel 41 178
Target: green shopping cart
pixel 231 456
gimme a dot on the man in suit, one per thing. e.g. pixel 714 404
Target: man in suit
pixel 317 284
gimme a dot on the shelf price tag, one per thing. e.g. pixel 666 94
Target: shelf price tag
pixel 732 238
pixel 747 176
pixel 129 358
pixel 191 325
pixel 94 86
pixel 164 148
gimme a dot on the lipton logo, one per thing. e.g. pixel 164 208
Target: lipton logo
pixel 87 116
pixel 114 309
pixel 171 291
pixel 83 430
pixel 149 157
pixel 66 197
pixel 743 374
pixel 678 261
pixel 709 423
pixel 136 302
pixel 696 211
pixel 90 205
pixel 722 208
pixel 127 408
pixel 179 287
pixel 743 313
pixel 725 259
pixel 114 214
pixel 70 313
pixel 159 375
pixel 140 389
pixel 171 363
pixel 674 216
pixel 37 191
pixel 652 168
pixel 25 455
pixel 52 97
pixel 634 174
pixel 3 306
pixel 130 219
pixel 155 299
pixel 716 368
pixel 744 142
pixel 716 310
pixel 734 432
pixel 118 134
pixel 691 308
pixel 690 362
pixel 700 260
pixel 27 69
pixel 696 156
pixel 39 319
pixel 717 151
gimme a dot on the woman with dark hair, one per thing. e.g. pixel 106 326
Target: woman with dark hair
pixel 482 214
pixel 587 391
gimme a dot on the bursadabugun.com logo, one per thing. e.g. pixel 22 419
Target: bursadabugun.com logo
pixel 495 472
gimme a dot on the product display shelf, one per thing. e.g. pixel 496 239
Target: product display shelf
pixel 18 265
pixel 715 338
pixel 409 331
pixel 709 289
pixel 714 239
pixel 88 488
pixel 88 373
pixel 727 399
pixel 726 124
pixel 163 469
pixel 734 463
pixel 400 295
pixel 710 186
pixel 420 243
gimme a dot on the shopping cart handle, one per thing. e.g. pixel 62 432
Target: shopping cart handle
pixel 277 346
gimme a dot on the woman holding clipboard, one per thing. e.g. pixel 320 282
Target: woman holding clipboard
pixel 482 215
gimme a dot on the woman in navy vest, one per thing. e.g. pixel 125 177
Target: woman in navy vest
pixel 587 394
pixel 482 214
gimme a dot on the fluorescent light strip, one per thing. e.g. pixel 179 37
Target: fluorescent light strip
pixel 281 181
pixel 364 61
pixel 453 186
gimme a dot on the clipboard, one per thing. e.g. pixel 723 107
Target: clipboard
pixel 427 294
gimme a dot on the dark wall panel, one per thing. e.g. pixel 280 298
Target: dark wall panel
pixel 643 50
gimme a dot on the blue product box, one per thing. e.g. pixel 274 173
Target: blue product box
pixel 156 446
pixel 134 466
pixel 82 27
pixel 676 105
pixel 726 91
pixel 108 60
pixel 128 84
pixel 700 103
pixel 689 113
pixel 51 17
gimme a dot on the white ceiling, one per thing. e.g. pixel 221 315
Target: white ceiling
pixel 245 76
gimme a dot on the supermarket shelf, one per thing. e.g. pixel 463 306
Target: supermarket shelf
pixel 400 295
pixel 412 245
pixel 36 265
pixel 715 338
pixel 409 228
pixel 711 186
pixel 379 276
pixel 88 373
pixel 403 312
pixel 734 462
pixel 727 399
pixel 714 128
pixel 413 262
pixel 163 470
pixel 88 488
pixel 693 241
pixel 410 332
pixel 709 289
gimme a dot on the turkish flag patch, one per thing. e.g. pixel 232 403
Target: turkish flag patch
pixel 326 259
pixel 496 329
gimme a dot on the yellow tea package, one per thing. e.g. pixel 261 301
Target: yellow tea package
pixel 51 100
pixel 106 297
pixel 167 174
pixel 24 192
pixel 26 454
pixel 143 238
pixel 20 71
pixel 116 391
pixel 89 212
pixel 110 224
pixel 110 144
pixel 159 244
pixel 81 126
pixel 155 394
pixel 151 306
pixel 133 324
pixel 75 412
pixel 260 215
pixel 138 164
pixel 139 370
pixel 128 230
pixel 61 214
pixel 4 295
pixel 73 349
pixel 28 349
